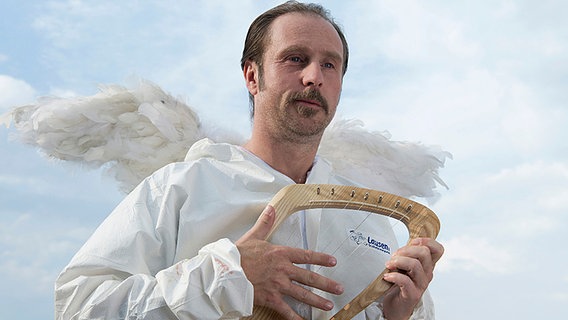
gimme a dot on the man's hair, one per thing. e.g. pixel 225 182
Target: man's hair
pixel 258 33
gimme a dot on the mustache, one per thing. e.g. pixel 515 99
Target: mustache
pixel 310 94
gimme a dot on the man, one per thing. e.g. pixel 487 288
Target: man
pixel 181 244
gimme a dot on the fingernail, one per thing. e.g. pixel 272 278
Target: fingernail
pixel 328 306
pixel 339 289
pixel 332 261
pixel 416 242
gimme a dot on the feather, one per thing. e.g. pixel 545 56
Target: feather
pixel 133 132
pixel 407 169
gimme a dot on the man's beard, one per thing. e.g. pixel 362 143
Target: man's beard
pixel 294 128
pixel 310 95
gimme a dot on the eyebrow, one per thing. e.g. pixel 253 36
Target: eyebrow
pixel 298 48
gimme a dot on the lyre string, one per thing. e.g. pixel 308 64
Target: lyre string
pixel 398 222
pixel 345 207
pixel 347 237
pixel 310 207
pixel 392 210
pixel 332 191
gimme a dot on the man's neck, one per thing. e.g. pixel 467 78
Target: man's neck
pixel 290 158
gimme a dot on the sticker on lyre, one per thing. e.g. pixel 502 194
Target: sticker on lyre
pixel 368 240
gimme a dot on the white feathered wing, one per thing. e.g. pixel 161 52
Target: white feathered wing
pixel 133 132
pixel 407 169
pixel 130 132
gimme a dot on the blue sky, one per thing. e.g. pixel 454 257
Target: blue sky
pixel 486 80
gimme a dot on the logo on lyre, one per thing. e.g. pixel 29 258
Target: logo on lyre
pixel 356 236
pixel 368 241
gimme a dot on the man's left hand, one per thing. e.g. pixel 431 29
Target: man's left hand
pixel 413 269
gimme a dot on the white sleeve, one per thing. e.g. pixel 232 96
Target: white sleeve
pixel 126 270
pixel 211 285
pixel 424 310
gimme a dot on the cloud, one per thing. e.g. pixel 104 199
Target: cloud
pixel 561 296
pixel 34 247
pixel 540 188
pixel 170 44
pixel 31 183
pixel 14 92
pixel 474 254
pixel 461 68
pixel 499 222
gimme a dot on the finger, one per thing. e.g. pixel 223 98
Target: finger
pixel 262 226
pixel 315 280
pixel 404 283
pixel 306 296
pixel 419 255
pixel 428 251
pixel 411 268
pixel 264 223
pixel 301 256
pixel 436 248
pixel 283 309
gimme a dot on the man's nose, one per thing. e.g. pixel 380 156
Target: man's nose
pixel 313 75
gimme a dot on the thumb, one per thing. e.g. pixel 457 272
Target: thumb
pixel 262 226
pixel 264 223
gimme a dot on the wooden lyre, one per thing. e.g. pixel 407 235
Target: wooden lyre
pixel 419 220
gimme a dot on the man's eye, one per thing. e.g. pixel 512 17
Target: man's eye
pixel 296 59
pixel 328 65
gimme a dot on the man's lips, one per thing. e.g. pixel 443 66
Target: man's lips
pixel 311 99
pixel 310 102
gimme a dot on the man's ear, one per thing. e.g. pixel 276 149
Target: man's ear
pixel 251 73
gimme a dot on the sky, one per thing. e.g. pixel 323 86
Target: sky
pixel 486 80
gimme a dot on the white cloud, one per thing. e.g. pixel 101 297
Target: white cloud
pixel 63 93
pixel 65 23
pixel 32 248
pixel 30 183
pixel 14 92
pixel 477 255
pixel 499 223
pixel 170 44
pixel 421 34
pixel 524 191
pixel 460 68
pixel 542 186
pixel 561 297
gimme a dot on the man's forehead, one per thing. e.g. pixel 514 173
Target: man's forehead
pixel 299 29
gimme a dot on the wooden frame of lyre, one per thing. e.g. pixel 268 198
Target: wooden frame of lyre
pixel 419 220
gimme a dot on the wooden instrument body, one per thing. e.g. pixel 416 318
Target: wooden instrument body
pixel 419 220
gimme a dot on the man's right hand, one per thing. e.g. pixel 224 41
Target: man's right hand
pixel 272 270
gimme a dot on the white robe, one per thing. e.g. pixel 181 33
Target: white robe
pixel 167 250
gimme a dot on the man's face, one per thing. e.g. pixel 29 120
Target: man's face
pixel 301 77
